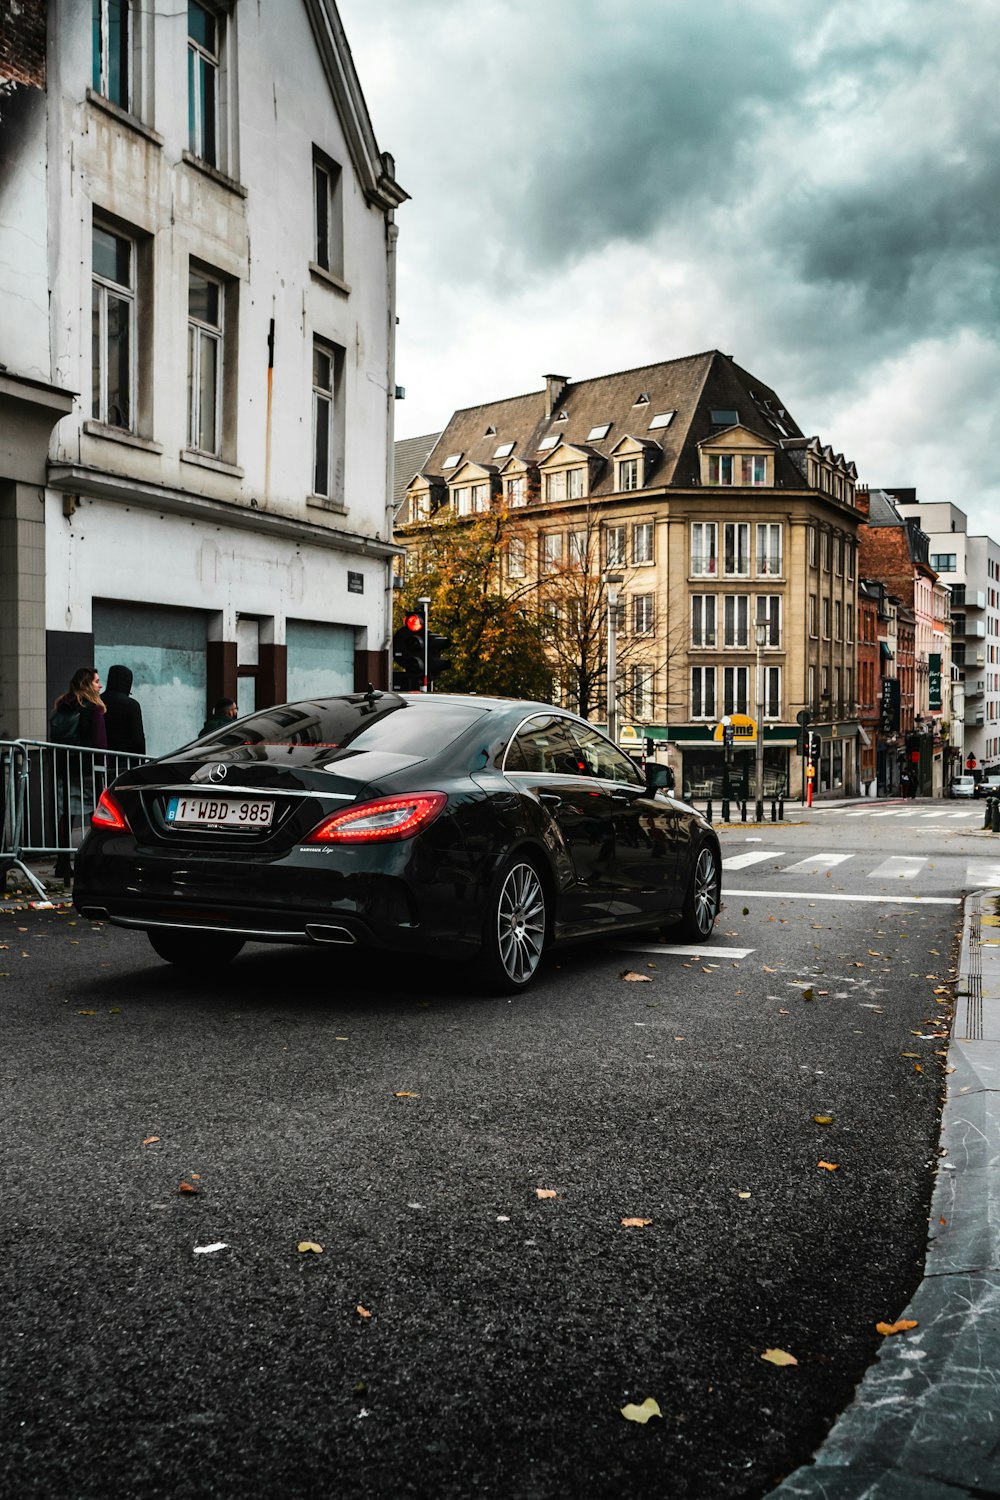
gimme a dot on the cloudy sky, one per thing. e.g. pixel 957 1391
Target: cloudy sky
pixel 812 186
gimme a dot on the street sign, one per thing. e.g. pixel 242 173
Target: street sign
pixel 803 717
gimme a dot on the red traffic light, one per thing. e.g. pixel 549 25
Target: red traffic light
pixel 414 622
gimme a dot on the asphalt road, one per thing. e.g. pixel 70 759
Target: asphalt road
pixel 459 1335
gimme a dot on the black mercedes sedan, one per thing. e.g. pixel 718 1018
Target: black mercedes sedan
pixel 472 828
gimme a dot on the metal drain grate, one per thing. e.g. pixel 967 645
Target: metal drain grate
pixel 974 981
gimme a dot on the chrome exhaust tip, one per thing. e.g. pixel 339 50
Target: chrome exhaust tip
pixel 319 932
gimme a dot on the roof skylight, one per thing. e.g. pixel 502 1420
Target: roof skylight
pixel 725 416
pixel 504 450
pixel 661 419
pixel 600 431
pixel 550 441
pixel 452 461
pixel 642 399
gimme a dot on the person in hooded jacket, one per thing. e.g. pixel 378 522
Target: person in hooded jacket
pixel 124 716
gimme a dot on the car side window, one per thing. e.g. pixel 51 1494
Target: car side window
pixel 604 759
pixel 545 744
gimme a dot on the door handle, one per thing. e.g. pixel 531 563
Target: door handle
pixel 550 799
pixel 620 797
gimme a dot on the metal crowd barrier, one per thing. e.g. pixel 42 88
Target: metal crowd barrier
pixel 48 793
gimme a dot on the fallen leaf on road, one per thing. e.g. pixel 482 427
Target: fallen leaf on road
pixel 641 1414
pixel 635 1223
pixel 900 1326
pixel 746 911
pixel 909 1054
pixel 187 1187
pixel 210 1249
pixel 823 1119
pixel 150 1140
pixel 783 1012
pixel 779 1357
pixel 743 1195
pixel 546 1193
pixel 86 1012
pixel 362 1312
pixel 405 1094
pixel 808 994
pixel 631 977
pixel 829 1166
pixel 306 1245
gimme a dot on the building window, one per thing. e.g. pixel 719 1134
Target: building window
pixel 205 304
pixel 551 551
pixel 479 495
pixel 944 562
pixel 517 553
pixel 642 613
pixel 616 546
pixel 769 614
pixel 813 548
pixel 769 561
pixel 721 468
pixel 812 616
pixel 811 687
pixel 628 474
pixel 112 51
pixel 838 620
pixel 849 690
pixel 550 620
pixel 113 329
pixel 566 484
pixel 827 551
pixel 460 501
pixel 516 491
pixel 642 542
pixel 578 549
pixel 826 619
pixel 839 555
pixel 737 549
pixel 703 692
pixel 850 559
pixel 836 691
pixel 753 469
pixel 704 548
pixel 204 40
pixel 735 690
pixel 327 364
pixel 328 215
pixel 850 624
pixel 735 617
pixel 703 608
pixel 772 692
pixel 641 684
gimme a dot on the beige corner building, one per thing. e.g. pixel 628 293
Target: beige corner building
pixel 733 536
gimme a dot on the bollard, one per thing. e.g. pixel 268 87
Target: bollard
pixel 995 821
pixel 774 811
pixel 781 809
pixel 725 810
pixel 758 811
pixel 743 810
pixel 708 811
pixel 988 814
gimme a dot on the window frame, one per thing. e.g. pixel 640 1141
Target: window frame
pixel 200 59
pixel 765 552
pixel 628 474
pixel 642 529
pixel 101 52
pixel 736 622
pixel 551 551
pixel 335 433
pixel 615 546
pixel 517 557
pixel 702 696
pixel 704 633
pixel 769 615
pixel 772 691
pixel 735 527
pixel 718 474
pixel 710 556
pixel 643 622
pixel 515 490
pixel 200 332
pixel 735 701
pixel 125 293
pixel 328 201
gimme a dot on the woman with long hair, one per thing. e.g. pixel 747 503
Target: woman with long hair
pixel 80 714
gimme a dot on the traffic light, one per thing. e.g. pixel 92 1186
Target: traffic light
pixel 408 654
pixel 438 647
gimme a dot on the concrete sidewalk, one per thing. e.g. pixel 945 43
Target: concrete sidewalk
pixel 925 1420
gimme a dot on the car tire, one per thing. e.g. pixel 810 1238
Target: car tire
pixel 515 928
pixel 194 950
pixel 702 897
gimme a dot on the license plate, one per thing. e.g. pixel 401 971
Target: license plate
pixel 220 812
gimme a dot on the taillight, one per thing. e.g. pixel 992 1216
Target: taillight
pixel 378 822
pixel 109 816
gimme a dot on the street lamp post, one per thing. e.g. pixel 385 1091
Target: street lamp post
pixel 760 639
pixel 611 582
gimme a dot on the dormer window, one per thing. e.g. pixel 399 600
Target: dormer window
pixel 564 484
pixel 721 468
pixel 490 432
pixel 628 474
pixel 471 499
pixel 661 419
pixel 563 416
pixel 753 469
pixel 516 490
pixel 596 434
pixel 452 461
pixel 641 400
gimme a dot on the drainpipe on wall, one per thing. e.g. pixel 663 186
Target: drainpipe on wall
pixel 392 235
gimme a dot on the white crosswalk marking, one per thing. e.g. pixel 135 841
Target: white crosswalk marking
pixel 899 867
pixel 741 861
pixel 816 864
pixel 982 872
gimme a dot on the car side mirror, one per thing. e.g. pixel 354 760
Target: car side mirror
pixel 659 777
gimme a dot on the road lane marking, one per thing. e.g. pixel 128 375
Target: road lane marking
pixel 899 867
pixel 913 900
pixel 816 864
pixel 980 872
pixel 693 950
pixel 740 861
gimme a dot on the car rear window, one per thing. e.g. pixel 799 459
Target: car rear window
pixel 336 724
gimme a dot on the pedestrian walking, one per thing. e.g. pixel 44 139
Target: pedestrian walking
pixel 78 722
pixel 124 715
pixel 222 714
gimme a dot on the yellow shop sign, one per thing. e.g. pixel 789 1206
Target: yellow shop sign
pixel 744 729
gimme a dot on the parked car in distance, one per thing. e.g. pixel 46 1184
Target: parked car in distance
pixel 478 828
pixel 989 786
pixel 962 786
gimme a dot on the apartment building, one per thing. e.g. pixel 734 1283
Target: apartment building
pixel 197 382
pixel 732 537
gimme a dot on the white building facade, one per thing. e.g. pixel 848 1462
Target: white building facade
pixel 970 566
pixel 196 414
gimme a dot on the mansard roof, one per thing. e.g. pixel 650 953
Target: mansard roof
pixel 702 391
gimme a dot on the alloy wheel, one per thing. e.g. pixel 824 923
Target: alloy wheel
pixel 706 886
pixel 521 923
